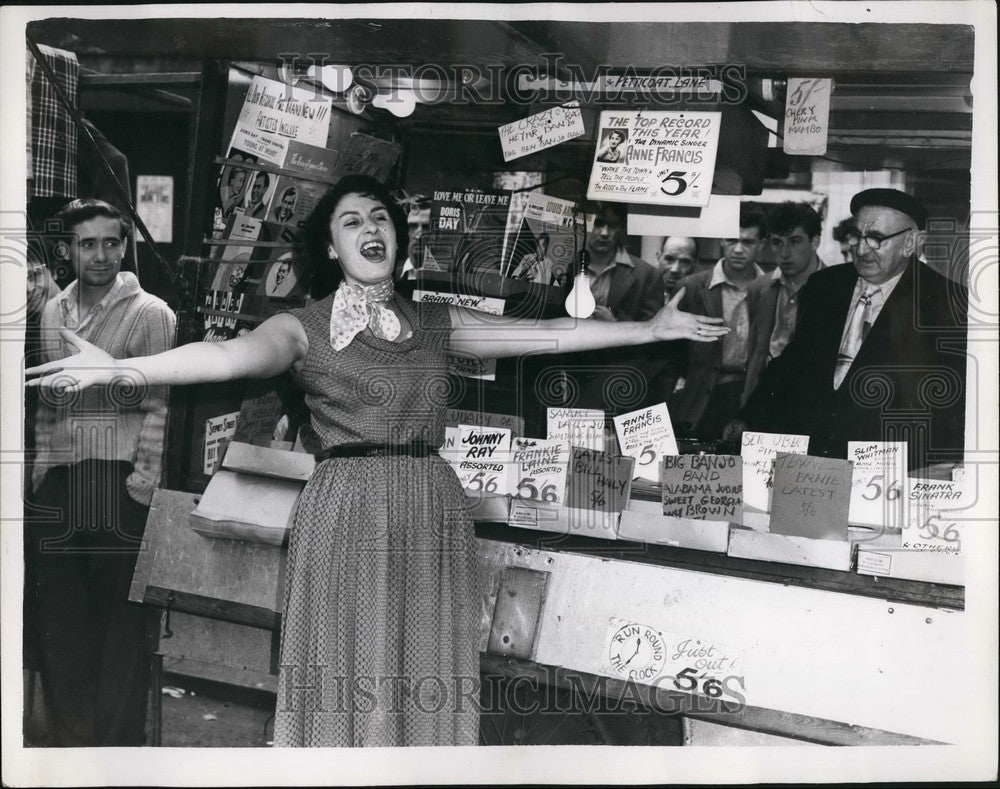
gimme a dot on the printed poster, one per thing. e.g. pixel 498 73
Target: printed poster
pixel 274 114
pixel 658 157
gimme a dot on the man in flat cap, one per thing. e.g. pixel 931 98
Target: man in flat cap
pixel 879 352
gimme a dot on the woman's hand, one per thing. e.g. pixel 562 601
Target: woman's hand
pixel 672 324
pixel 89 366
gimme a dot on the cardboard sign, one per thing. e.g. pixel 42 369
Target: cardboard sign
pixel 658 157
pixel 598 480
pixel 812 496
pixel 540 131
pixel 453 417
pixel 703 487
pixel 807 116
pixel 538 469
pixel 929 519
pixel 878 484
pixel 646 435
pixel 758 453
pixel 482 459
pixel 485 304
pixel 219 430
pixel 578 427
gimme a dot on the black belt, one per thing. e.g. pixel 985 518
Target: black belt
pixel 417 449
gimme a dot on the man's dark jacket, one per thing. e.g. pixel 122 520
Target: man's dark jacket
pixel 907 382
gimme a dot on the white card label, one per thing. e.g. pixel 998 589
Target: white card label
pixel 871 563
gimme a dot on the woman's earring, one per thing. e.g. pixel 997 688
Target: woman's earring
pixel 330 252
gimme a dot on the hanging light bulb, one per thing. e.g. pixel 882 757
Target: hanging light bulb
pixel 335 78
pixel 400 102
pixel 580 301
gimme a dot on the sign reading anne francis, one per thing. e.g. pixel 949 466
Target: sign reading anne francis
pixel 658 157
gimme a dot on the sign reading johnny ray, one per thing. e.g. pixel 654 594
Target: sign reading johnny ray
pixel 658 157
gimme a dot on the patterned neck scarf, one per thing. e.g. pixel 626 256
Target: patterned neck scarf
pixel 358 306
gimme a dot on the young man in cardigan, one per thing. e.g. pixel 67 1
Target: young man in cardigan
pixel 98 460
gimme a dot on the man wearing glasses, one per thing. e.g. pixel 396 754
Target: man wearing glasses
pixel 879 348
pixel 774 300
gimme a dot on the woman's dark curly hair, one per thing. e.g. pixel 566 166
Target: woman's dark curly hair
pixel 327 274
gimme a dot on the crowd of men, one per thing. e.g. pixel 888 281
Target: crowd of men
pixel 872 347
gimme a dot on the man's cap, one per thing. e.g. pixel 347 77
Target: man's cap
pixel 891 198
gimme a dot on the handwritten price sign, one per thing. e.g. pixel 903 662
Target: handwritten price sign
pixel 646 435
pixel 807 116
pixel 538 470
pixel 483 454
pixel 930 517
pixel 877 483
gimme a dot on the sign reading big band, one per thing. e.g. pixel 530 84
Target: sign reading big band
pixel 659 157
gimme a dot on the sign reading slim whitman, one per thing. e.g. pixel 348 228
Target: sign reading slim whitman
pixel 660 157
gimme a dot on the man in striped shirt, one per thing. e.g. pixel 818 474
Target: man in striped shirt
pixel 98 460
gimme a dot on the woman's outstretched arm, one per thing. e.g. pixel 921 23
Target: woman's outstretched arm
pixel 496 336
pixel 272 348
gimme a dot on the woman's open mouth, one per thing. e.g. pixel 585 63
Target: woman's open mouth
pixel 373 251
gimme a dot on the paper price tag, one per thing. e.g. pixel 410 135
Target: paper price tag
pixel 646 435
pixel 483 454
pixel 758 453
pixel 578 427
pixel 930 522
pixel 878 483
pixel 538 469
pixel 807 116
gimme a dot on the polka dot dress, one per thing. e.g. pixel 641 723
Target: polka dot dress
pixel 380 626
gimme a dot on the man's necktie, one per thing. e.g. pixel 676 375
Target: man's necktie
pixel 857 330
